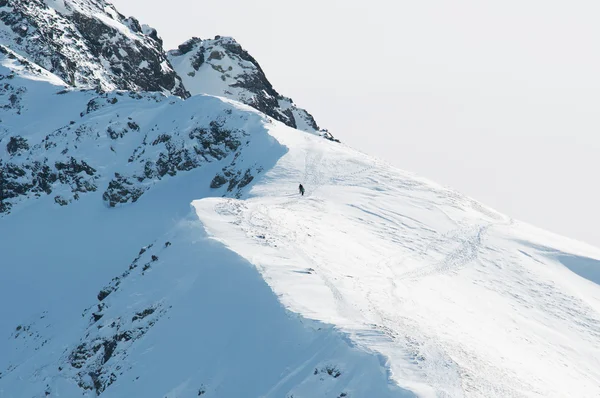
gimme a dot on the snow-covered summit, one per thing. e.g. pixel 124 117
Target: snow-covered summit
pixel 87 43
pixel 221 67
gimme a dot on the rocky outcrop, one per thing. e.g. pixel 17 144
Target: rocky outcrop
pixel 88 44
pixel 234 178
pixel 122 190
pixel 38 177
pixel 95 361
pixel 70 161
pixel 222 67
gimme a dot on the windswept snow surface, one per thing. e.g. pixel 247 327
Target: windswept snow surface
pixel 463 301
pixel 135 300
pixel 382 284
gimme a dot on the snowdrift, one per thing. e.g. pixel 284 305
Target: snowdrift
pixel 462 300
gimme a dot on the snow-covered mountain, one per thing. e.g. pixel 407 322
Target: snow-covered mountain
pixel 156 246
pixel 223 68
pixel 117 298
pixel 119 142
pixel 87 43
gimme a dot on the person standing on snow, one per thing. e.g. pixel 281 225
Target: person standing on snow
pixel 301 189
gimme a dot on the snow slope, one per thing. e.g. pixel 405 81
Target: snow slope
pixel 197 319
pixel 108 283
pixel 463 301
pixel 155 246
pixel 383 284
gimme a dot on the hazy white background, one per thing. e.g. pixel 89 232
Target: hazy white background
pixel 498 99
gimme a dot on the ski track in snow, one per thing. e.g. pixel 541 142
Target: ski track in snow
pixel 392 277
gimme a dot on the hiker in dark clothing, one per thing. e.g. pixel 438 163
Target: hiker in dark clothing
pixel 301 189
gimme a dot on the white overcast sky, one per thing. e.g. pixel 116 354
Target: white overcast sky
pixel 497 99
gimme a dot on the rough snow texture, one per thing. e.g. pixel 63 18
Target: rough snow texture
pixel 463 301
pixel 87 43
pixel 223 68
pixel 156 246
pixel 120 292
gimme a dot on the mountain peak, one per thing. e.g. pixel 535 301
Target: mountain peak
pixel 153 245
pixel 222 67
pixel 88 44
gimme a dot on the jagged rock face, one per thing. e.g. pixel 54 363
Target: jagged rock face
pixel 66 165
pixel 222 67
pixel 89 363
pixel 118 144
pixel 88 43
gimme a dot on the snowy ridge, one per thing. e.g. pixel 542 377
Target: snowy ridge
pixel 412 289
pixel 130 298
pixel 192 330
pixel 118 143
pixel 157 246
pixel 462 300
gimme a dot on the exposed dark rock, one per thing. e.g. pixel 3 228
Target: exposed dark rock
pixel 215 55
pixel 218 181
pixel 60 200
pixel 11 96
pixel 188 45
pixel 235 178
pixel 93 357
pixel 198 60
pixel 161 139
pixel 176 159
pixel 328 136
pixel 71 45
pixel 333 371
pixel 109 348
pixel 133 126
pixel 73 173
pixel 16 144
pixel 122 190
pixel 246 179
pixel 104 293
pixel 214 137
pixel 246 74
pixel 20 180
pixel 143 314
